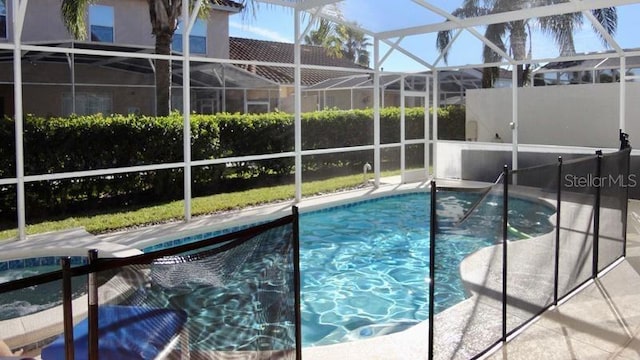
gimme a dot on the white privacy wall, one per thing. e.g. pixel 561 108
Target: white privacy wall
pixel 568 115
pixel 449 153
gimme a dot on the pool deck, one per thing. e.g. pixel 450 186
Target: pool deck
pixel 600 321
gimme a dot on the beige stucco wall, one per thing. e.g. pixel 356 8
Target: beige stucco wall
pixel 573 115
pixel 43 22
pixel 286 102
pixel 218 35
pixel 46 100
pixel 45 85
pixel 391 99
pixel 340 99
pixel 43 100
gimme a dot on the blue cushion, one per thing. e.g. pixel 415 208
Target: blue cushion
pixel 125 332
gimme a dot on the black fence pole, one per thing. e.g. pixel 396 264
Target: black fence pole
pixel 596 214
pixel 505 235
pixel 93 325
pixel 556 269
pixel 625 144
pixel 625 213
pixel 432 266
pixel 67 308
pixel 296 279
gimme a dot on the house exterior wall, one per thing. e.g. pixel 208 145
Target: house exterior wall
pixel 391 98
pixel 570 115
pixel 309 102
pixel 47 100
pixel 340 99
pixel 218 35
pixel 43 100
pixel 43 22
pixel 47 84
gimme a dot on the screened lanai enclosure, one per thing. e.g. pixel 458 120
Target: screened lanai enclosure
pixel 494 85
pixel 252 95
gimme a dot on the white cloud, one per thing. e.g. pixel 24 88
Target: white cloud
pixel 267 34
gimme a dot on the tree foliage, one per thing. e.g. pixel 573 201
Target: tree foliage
pixel 514 37
pixel 94 142
pixel 341 41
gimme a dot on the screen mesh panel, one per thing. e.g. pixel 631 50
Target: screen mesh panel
pixel 532 242
pixel 232 296
pixel 238 296
pixel 576 223
pixel 468 268
pixel 614 180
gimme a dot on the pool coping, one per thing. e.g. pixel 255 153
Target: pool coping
pixel 148 236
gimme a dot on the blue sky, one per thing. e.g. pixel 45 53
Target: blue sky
pixel 276 24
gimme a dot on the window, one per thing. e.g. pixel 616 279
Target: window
pixel 101 21
pixel 197 40
pixel 3 19
pixel 87 104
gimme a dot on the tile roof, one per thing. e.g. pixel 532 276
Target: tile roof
pixel 278 52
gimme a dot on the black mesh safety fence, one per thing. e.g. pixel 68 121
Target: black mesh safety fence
pixel 519 246
pixel 577 219
pixel 235 299
pixel 467 272
pixel 31 299
pixel 614 180
pixel 232 296
pixel 531 219
pixel 499 256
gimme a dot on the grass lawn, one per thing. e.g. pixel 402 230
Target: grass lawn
pixel 172 211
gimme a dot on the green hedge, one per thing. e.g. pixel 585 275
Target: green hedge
pixel 79 143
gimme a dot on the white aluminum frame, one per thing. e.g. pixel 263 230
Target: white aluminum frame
pixel 392 38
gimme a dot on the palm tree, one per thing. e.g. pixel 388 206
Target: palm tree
pixel 164 16
pixel 354 44
pixel 515 33
pixel 341 41
pixel 320 35
pixel 325 36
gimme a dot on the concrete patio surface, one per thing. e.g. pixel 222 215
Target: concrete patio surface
pixel 602 321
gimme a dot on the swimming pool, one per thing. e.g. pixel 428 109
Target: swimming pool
pixel 365 267
pixel 364 270
pixel 35 298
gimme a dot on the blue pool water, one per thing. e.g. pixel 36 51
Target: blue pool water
pixel 35 298
pixel 364 269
